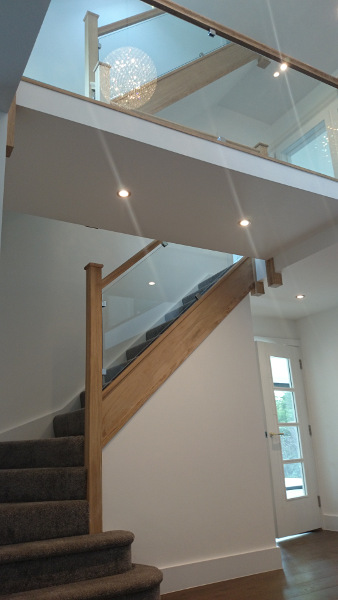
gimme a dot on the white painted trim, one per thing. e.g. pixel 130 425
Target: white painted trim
pixel 282 341
pixel 330 522
pixel 180 577
pixel 86 113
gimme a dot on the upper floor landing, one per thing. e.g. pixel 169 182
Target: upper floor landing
pixel 201 124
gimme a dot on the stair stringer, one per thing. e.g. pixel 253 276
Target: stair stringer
pixel 136 384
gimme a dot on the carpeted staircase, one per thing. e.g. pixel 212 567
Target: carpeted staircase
pixel 45 548
pixel 72 423
pixel 46 551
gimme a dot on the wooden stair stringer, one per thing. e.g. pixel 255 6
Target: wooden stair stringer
pixel 134 386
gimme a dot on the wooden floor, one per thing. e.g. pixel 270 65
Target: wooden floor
pixel 310 572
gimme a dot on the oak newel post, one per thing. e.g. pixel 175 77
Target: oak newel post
pixel 93 412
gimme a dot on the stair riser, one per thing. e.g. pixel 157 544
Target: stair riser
pixel 67 452
pixel 42 520
pixel 54 594
pixel 36 485
pixel 51 571
pixel 69 424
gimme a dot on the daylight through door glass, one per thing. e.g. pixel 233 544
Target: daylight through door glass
pixel 287 417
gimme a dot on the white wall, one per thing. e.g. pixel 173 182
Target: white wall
pixel 271 327
pixel 189 472
pixel 319 340
pixel 42 316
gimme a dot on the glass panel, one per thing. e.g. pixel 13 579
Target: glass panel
pixel 152 293
pixel 198 80
pixel 290 443
pixel 137 55
pixel 281 371
pixel 312 151
pixel 294 480
pixel 285 405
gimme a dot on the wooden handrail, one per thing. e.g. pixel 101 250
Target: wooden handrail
pixel 241 39
pixel 129 263
pixel 134 20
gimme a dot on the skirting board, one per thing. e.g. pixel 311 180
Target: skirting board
pixel 181 577
pixel 330 522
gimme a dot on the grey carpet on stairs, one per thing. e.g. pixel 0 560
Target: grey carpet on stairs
pixel 47 563
pixel 69 424
pixel 62 452
pixel 140 583
pixel 36 485
pixel 30 521
pixel 45 549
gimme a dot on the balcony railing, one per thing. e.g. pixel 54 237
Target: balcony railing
pixel 196 74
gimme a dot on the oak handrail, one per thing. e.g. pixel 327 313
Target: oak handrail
pixel 244 40
pixel 129 263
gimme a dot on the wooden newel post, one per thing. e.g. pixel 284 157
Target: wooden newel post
pixel 93 411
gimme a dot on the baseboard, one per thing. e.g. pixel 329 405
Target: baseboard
pixel 181 577
pixel 330 522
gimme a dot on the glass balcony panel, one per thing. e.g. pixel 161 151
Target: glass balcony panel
pixel 150 294
pixel 193 79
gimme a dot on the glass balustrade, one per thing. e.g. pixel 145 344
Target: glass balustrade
pixel 166 67
pixel 150 295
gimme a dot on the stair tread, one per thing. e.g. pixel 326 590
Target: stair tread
pixel 49 452
pixel 138 579
pixel 66 545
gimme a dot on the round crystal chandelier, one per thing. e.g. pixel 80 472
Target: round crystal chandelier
pixel 132 76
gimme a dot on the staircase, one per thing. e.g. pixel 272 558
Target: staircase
pixel 46 551
pixel 73 423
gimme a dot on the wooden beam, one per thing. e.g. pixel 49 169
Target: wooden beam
pixel 133 20
pixel 274 279
pixel 124 396
pixel 189 78
pixel 93 410
pixel 11 128
pixel 258 289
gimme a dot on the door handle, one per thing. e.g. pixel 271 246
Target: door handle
pixel 271 434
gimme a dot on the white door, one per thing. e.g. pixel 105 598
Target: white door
pixel 289 439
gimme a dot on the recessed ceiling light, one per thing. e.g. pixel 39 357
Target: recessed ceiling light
pixel 151 283
pixel 283 66
pixel 300 296
pixel 276 74
pixel 123 193
pixel 244 222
